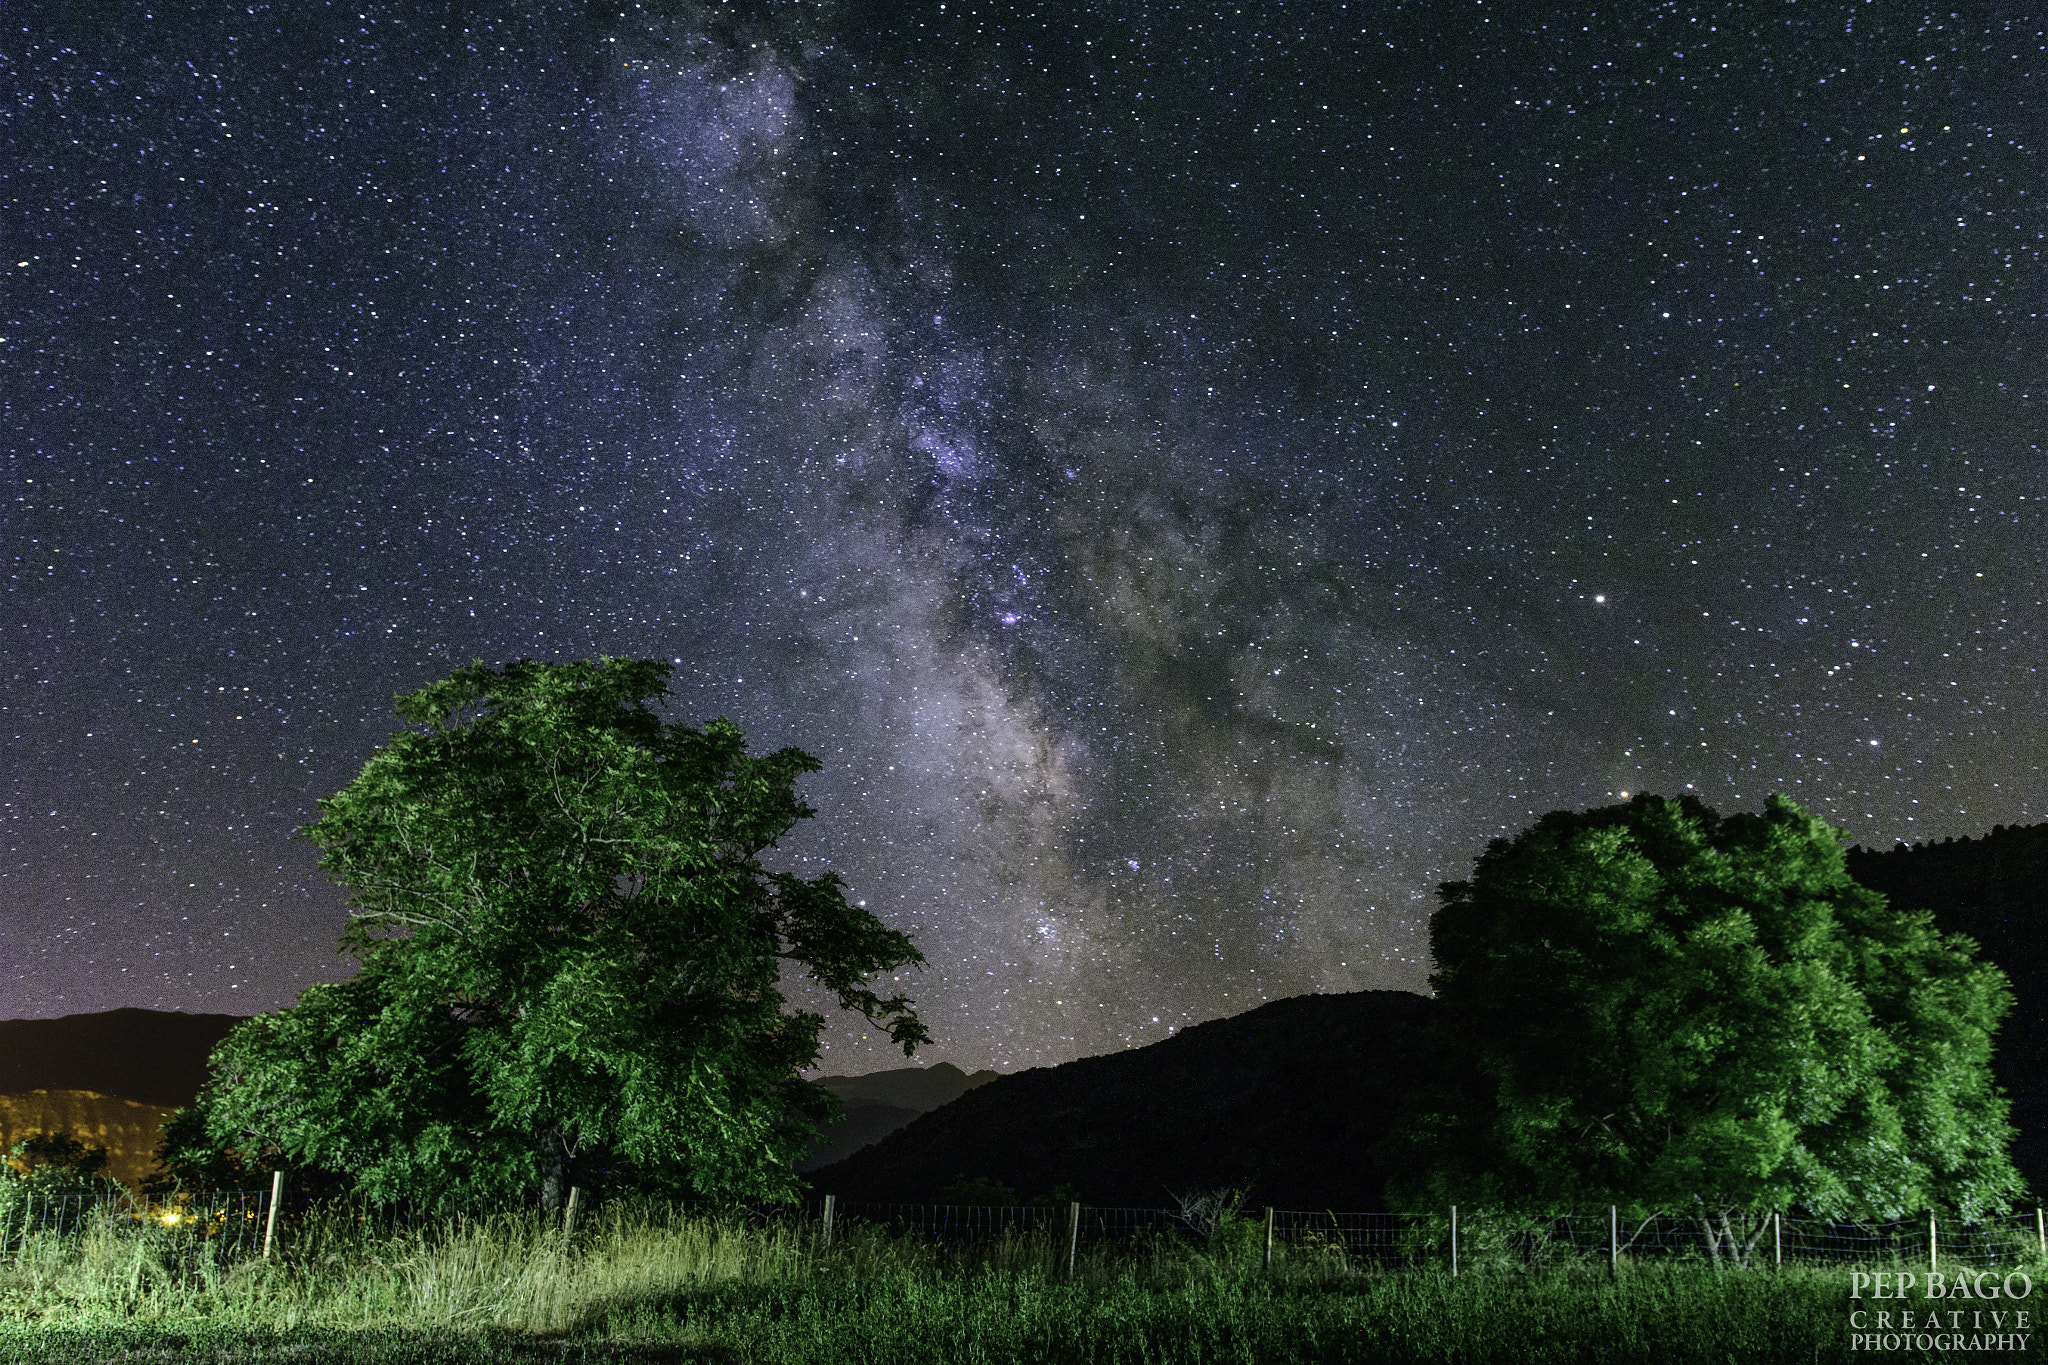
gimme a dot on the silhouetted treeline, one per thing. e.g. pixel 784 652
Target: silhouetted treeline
pixel 1995 889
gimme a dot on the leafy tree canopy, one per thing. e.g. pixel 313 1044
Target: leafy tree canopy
pixel 1650 1006
pixel 570 956
pixel 188 1158
pixel 44 1166
pixel 60 1158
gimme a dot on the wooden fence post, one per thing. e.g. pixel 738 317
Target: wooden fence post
pixel 569 1213
pixel 1269 1237
pixel 1777 1239
pixel 1073 1235
pixel 1933 1247
pixel 276 1194
pixel 1454 1241
pixel 2041 1232
pixel 1613 1242
pixel 829 1200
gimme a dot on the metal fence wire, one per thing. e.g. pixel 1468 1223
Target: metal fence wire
pixel 1380 1239
pixel 227 1222
pixel 953 1223
pixel 231 1225
pixel 957 1224
pixel 1737 1238
pixel 1133 1226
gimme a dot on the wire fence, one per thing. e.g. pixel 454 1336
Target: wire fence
pixel 229 1222
pixel 957 1224
pixel 1387 1240
pixel 1740 1238
pixel 1735 1238
pixel 233 1225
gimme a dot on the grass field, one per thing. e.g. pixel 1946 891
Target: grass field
pixel 653 1285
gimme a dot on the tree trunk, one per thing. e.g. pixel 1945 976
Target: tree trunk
pixel 1713 1236
pixel 1736 1251
pixel 554 1180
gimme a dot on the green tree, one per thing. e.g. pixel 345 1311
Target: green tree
pixel 1649 1006
pixel 570 956
pixel 57 1157
pixel 187 1158
pixel 43 1174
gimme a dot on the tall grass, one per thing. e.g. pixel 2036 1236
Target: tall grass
pixel 648 1282
pixel 517 1271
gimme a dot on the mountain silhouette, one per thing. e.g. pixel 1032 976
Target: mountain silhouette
pixel 150 1056
pixel 1287 1101
pixel 922 1088
pixel 877 1104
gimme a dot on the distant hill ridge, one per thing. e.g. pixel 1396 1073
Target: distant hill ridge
pixel 150 1056
pixel 1287 1099
pixel 912 1087
pixel 877 1104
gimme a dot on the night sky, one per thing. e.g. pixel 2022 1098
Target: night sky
pixel 1193 475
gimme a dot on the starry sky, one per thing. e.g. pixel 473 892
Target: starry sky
pixel 1193 474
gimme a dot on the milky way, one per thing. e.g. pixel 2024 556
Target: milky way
pixel 1192 475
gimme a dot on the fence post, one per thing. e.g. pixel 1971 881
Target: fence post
pixel 1073 1234
pixel 1454 1241
pixel 829 1199
pixel 1777 1239
pixel 276 1194
pixel 569 1214
pixel 1269 1237
pixel 1613 1242
pixel 2041 1232
pixel 1933 1247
